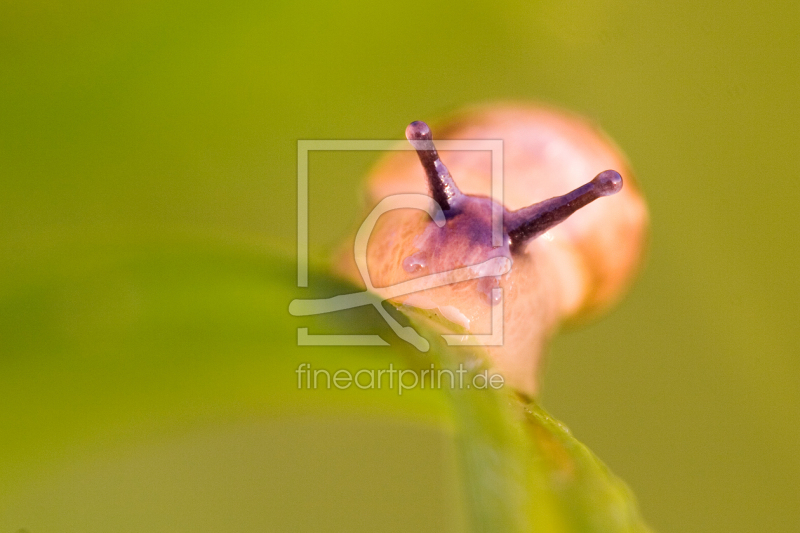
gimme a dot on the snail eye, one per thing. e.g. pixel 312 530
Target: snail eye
pixel 524 224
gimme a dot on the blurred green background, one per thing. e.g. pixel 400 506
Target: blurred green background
pixel 128 123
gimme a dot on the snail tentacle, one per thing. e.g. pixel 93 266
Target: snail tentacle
pixel 442 187
pixel 524 224
pixel 530 222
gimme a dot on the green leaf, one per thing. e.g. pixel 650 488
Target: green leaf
pixel 155 388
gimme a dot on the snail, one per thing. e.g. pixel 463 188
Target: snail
pixel 571 256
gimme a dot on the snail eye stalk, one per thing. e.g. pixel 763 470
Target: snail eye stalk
pixel 530 222
pixel 442 187
pixel 525 224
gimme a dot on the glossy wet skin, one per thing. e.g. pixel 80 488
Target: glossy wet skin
pixel 464 240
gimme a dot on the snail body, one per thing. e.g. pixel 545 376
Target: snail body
pixel 571 256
